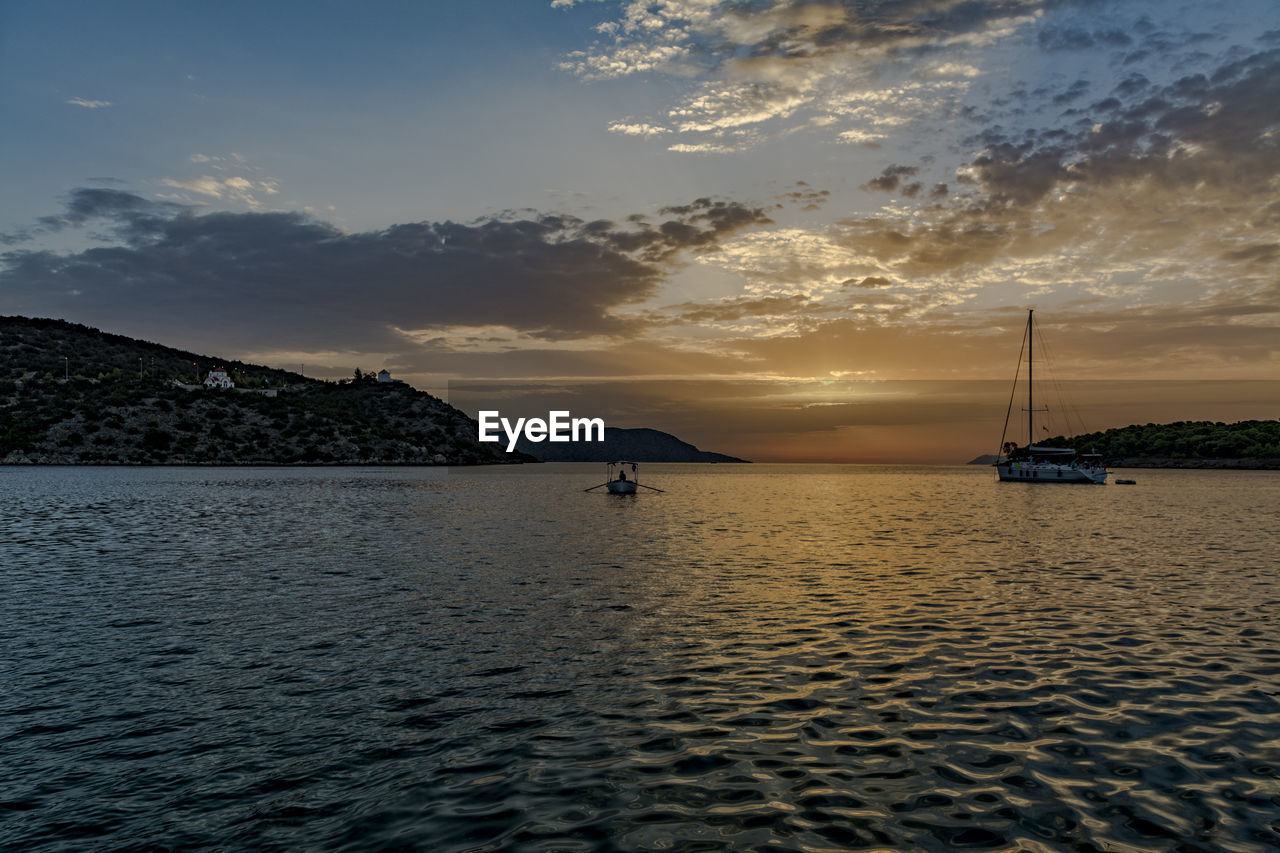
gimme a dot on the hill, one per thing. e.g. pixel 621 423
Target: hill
pixel 635 445
pixel 70 394
pixel 1183 444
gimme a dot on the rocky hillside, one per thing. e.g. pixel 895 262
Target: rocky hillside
pixel 70 394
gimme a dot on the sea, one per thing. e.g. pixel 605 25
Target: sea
pixel 759 657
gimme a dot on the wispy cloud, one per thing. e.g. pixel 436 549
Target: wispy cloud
pixel 628 128
pixel 239 189
pixel 88 104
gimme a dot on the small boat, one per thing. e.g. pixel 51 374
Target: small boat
pixel 618 483
pixel 1037 464
pixel 1126 482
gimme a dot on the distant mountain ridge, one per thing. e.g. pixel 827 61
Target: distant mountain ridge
pixel 634 445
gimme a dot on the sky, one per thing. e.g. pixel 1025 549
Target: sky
pixel 784 229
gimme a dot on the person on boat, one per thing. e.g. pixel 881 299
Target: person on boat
pixel 622 476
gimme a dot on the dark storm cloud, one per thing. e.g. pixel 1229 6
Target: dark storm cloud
pixel 285 277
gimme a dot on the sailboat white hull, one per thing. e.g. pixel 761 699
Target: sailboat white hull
pixel 1050 472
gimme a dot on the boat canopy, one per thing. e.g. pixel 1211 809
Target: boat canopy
pixel 1053 451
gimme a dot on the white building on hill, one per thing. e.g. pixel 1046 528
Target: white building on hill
pixel 218 379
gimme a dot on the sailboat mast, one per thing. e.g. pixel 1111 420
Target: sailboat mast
pixel 1031 354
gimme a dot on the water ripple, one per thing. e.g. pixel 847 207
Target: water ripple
pixel 762 658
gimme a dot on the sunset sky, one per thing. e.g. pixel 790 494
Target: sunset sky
pixel 784 230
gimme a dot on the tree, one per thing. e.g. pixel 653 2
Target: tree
pixel 156 439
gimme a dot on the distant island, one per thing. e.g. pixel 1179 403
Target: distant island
pixel 1183 444
pixel 633 445
pixel 73 395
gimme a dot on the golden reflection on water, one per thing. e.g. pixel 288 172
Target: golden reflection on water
pixel 763 657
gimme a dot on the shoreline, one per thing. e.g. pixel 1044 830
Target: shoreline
pixel 1247 463
pixel 363 464
pixel 1137 462
pixel 1244 464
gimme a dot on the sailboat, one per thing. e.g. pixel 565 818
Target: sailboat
pixel 1033 463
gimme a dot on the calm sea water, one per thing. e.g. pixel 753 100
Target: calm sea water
pixel 764 658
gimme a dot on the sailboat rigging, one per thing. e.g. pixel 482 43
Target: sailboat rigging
pixel 1032 463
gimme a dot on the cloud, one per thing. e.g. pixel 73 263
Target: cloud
pixel 126 214
pixel 637 129
pixel 708 147
pixel 870 281
pixel 728 34
pixel 1187 170
pixel 1146 211
pixel 862 137
pixel 752 309
pixel 890 179
pixel 1071 37
pixel 1212 131
pixel 287 277
pixel 806 197
pixel 796 61
pixel 865 73
pixel 788 261
pixel 1154 218
pixel 228 189
pixel 1072 92
pixel 88 104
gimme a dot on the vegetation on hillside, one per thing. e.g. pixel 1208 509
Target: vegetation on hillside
pixel 70 394
pixel 1187 440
